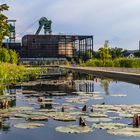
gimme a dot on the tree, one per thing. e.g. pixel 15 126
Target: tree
pixel 4 55
pixel 104 52
pixel 125 53
pixel 4 27
pixel 13 57
pixel 85 55
pixel 96 54
pixel 116 52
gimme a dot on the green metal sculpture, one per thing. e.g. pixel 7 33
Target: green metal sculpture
pixel 47 25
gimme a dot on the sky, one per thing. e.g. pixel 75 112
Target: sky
pixel 115 20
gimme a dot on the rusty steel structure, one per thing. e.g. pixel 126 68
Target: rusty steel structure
pixel 56 46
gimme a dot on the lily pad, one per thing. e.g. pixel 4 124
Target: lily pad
pixel 61 116
pixel 126 115
pixel 36 113
pixel 119 95
pixel 65 118
pixel 97 120
pixel 38 118
pixel 28 125
pixel 126 131
pixel 73 129
pixel 98 114
pixel 109 126
pixel 47 110
pixel 24 108
pixel 77 100
pixel 21 115
pixel 44 103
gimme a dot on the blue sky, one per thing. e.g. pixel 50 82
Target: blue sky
pixel 115 20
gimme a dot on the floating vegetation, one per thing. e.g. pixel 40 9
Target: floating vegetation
pixel 98 114
pixel 23 108
pixel 47 110
pixel 43 103
pixel 97 120
pixel 21 115
pixel 65 118
pixel 38 118
pixel 77 100
pixel 61 116
pixel 126 115
pixel 74 129
pixel 118 95
pixel 36 113
pixel 125 131
pixel 28 125
pixel 42 106
pixel 109 126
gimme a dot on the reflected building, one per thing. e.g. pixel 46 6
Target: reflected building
pixel 84 86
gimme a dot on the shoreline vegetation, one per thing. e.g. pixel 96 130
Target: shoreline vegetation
pixel 118 62
pixel 13 74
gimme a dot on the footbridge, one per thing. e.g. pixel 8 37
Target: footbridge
pixel 124 74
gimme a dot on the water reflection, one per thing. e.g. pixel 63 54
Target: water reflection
pixel 67 83
pixel 105 84
pixel 46 106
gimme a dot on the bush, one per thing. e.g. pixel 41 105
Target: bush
pixel 13 57
pixel 98 62
pixel 90 63
pixel 8 56
pixel 127 62
pixel 4 55
pixel 108 63
pixel 118 62
pixel 94 63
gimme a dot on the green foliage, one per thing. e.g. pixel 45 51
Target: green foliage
pixel 85 55
pixel 108 63
pixel 65 62
pixel 127 62
pixel 81 62
pixel 96 54
pixel 12 73
pixel 116 52
pixel 8 56
pixel 118 62
pixel 32 73
pixel 13 57
pixel 4 27
pixel 94 63
pixel 4 55
pixel 104 53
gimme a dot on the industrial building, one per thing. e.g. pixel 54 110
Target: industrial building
pixel 35 48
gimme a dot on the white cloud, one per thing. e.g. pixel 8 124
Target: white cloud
pixel 114 20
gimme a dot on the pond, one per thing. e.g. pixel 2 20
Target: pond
pixel 107 101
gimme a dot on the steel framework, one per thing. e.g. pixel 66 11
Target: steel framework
pixel 56 46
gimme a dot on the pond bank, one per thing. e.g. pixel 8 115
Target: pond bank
pixel 127 76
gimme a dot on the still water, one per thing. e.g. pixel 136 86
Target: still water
pixel 69 84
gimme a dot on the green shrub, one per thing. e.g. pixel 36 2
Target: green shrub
pixel 108 63
pixel 116 63
pixel 94 63
pixel 4 55
pixel 13 57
